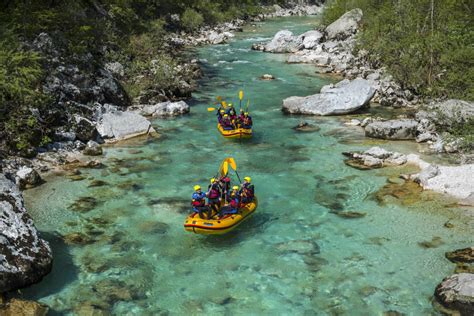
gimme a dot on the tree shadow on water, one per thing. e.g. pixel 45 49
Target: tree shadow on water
pixel 63 273
pixel 248 229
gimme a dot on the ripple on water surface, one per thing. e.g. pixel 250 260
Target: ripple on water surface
pixel 324 239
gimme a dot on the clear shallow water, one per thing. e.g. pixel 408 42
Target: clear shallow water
pixel 293 257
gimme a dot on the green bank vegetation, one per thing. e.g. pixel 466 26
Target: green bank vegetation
pixel 427 45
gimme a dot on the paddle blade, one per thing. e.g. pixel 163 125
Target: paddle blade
pixel 224 104
pixel 232 163
pixel 211 109
pixel 241 95
pixel 219 98
pixel 225 168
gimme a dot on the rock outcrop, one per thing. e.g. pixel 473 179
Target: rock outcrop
pixel 374 157
pixel 345 26
pixel 17 307
pixel 120 125
pixel 283 42
pixel 341 98
pixel 456 293
pixel 92 149
pixel 24 257
pixel 165 109
pixel 392 129
pixel 27 177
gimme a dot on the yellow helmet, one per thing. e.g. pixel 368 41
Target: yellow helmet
pixel 246 113
pixel 235 187
pixel 222 111
pixel 225 115
pixel 213 180
pixel 230 104
pixel 248 179
pixel 197 187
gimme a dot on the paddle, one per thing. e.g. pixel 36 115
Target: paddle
pixel 233 165
pixel 248 103
pixel 211 109
pixel 241 96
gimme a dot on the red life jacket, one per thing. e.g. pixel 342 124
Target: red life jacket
pixel 214 191
pixel 199 203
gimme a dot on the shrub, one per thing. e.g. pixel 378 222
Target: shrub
pixel 191 20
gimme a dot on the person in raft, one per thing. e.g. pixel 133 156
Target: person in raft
pixel 248 191
pixel 213 195
pixel 224 183
pixel 227 123
pixel 233 200
pixel 246 120
pixel 199 202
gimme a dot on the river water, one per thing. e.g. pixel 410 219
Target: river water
pixel 295 256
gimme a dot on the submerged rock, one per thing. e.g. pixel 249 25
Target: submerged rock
pixel 350 214
pixel 267 77
pixel 341 98
pixel 306 127
pixel 17 307
pixel 84 204
pixel 456 293
pixel 465 255
pixel 24 257
pixel 78 239
pixel 303 247
pixel 435 242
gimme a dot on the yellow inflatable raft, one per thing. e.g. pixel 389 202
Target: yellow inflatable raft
pixel 235 133
pixel 221 226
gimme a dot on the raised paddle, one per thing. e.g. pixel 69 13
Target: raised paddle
pixel 211 109
pixel 241 96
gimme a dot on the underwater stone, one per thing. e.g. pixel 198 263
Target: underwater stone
pixel 97 183
pixel 465 255
pixel 434 243
pixel 78 238
pixel 350 214
pixel 304 247
pixel 18 307
pixel 84 204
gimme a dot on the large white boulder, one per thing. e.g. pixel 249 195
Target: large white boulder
pixel 24 257
pixel 456 292
pixel 310 39
pixel 345 26
pixel 165 109
pixel 284 42
pixel 341 98
pixel 123 125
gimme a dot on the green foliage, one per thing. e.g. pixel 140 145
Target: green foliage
pixel 427 45
pixel 191 20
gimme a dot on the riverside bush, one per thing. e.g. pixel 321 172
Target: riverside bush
pixel 425 44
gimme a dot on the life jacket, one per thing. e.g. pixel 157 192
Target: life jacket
pixel 214 191
pixel 248 190
pixel 226 183
pixel 247 121
pixel 198 199
pixel 234 200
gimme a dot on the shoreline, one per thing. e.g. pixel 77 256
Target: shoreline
pixel 76 155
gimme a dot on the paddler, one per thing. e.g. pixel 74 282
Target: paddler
pixel 199 202
pixel 213 195
pixel 248 191
pixel 233 198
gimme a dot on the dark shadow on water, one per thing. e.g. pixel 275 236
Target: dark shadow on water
pixel 64 271
pixel 248 229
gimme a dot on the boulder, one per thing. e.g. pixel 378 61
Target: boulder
pixel 342 98
pixel 456 292
pixel 284 42
pixel 465 255
pixel 319 58
pixel 27 177
pixel 84 129
pixel 217 38
pixel 310 39
pixel 392 129
pixel 115 68
pixel 267 77
pixel 92 149
pixel 24 257
pixel 16 307
pixel 165 109
pixel 345 26
pixel 374 157
pixel 123 125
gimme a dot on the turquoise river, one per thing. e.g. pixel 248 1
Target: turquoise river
pixel 295 256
